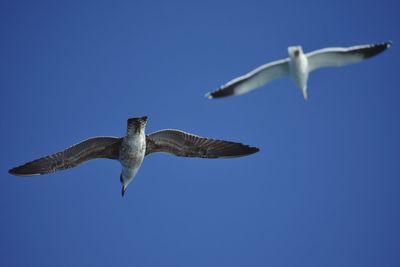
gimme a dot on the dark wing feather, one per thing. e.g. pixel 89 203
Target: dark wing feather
pixel 96 147
pixel 188 145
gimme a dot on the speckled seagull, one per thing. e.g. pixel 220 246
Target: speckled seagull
pixel 298 65
pixel 131 149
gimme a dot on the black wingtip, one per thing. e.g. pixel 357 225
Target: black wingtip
pixel 388 43
pixel 208 95
pixel 222 92
pixel 375 49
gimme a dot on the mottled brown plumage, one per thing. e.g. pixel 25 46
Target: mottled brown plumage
pixel 130 150
pixel 93 148
pixel 184 144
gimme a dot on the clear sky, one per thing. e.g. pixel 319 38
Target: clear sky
pixel 323 191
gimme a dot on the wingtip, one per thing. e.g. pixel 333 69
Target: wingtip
pixel 255 150
pixel 223 91
pixel 375 49
pixel 385 45
pixel 249 150
pixel 216 94
pixel 25 170
pixel 389 43
pixel 208 95
pixel 17 171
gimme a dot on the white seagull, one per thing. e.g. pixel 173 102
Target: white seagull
pixel 131 149
pixel 298 65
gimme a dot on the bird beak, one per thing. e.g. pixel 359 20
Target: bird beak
pixel 123 190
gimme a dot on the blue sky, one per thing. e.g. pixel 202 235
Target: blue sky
pixel 323 191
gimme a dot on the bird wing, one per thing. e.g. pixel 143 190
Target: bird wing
pixel 253 79
pixel 96 147
pixel 184 144
pixel 340 56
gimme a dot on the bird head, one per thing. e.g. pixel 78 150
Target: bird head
pixel 295 51
pixel 136 125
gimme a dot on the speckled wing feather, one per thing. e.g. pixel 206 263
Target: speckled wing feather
pixel 96 147
pixel 184 144
pixel 340 56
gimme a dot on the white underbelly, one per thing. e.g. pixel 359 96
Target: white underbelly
pixel 132 153
pixel 299 71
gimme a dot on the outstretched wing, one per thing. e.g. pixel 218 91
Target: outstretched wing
pixel 97 147
pixel 340 56
pixel 188 145
pixel 253 79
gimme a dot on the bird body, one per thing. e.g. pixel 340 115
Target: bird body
pixel 298 66
pixel 131 149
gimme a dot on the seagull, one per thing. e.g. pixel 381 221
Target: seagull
pixel 298 66
pixel 131 149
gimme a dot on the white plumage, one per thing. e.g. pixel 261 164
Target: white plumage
pixel 298 66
